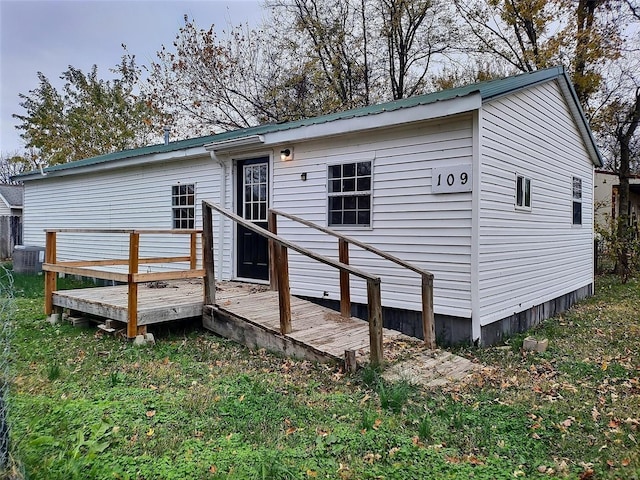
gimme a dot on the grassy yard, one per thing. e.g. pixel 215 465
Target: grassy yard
pixel 194 406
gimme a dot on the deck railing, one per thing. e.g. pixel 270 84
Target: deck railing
pixel 428 326
pixel 278 252
pixel 132 278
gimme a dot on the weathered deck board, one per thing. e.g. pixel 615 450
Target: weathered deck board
pixel 321 330
pixel 177 301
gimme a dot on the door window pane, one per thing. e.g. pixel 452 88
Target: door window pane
pixel 256 192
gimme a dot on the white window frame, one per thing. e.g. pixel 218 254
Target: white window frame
pixel 350 193
pixel 261 211
pixel 576 199
pixel 523 185
pixel 181 206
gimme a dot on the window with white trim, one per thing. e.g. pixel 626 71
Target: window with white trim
pixel 523 192
pixel 349 194
pixel 577 201
pixel 183 206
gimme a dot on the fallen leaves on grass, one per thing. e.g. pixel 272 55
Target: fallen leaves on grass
pixel 471 459
pixel 371 457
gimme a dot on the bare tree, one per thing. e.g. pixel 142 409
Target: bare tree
pixel 532 34
pixel 416 32
pixel 332 35
pixel 16 163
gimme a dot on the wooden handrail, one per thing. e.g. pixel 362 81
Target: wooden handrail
pixel 428 323
pixel 122 261
pixel 286 243
pixel 278 257
pixel 353 241
pixel 133 230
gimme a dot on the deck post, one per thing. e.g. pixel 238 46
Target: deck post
pixel 273 228
pixel 345 293
pixel 428 323
pixel 207 255
pixel 50 278
pixel 374 301
pixel 284 297
pixel 132 303
pixel 193 258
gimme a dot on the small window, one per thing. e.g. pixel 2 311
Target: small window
pixel 349 197
pixel 183 201
pixel 523 192
pixel 577 201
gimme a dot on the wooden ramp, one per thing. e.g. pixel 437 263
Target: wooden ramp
pixel 249 314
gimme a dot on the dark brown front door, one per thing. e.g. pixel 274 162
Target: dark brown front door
pixel 253 194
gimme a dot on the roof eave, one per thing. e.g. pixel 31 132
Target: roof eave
pixel 581 120
pixel 130 161
pixel 394 118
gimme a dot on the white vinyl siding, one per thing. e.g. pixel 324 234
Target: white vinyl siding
pixel 408 221
pixel 525 260
pixel 123 198
pixel 4 210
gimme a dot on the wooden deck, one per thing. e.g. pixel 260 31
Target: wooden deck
pixel 175 301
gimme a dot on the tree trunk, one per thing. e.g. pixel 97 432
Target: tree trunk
pixel 624 134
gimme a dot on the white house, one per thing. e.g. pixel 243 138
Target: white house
pixel 488 186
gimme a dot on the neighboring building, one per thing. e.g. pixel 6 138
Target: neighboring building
pixel 488 186
pixel 11 200
pixel 607 199
pixel 10 218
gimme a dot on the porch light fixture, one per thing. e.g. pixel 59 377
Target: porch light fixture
pixel 286 155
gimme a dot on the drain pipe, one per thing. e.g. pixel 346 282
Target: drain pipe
pixel 223 203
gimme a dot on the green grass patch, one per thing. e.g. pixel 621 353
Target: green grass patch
pixel 87 406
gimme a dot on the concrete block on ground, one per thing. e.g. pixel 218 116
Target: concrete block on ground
pixel 54 318
pixel 150 339
pixel 139 340
pixel 533 345
pixel 78 321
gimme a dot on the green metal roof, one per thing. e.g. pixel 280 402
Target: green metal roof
pixel 488 90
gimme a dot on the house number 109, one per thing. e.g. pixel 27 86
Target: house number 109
pixel 464 177
pixel 456 178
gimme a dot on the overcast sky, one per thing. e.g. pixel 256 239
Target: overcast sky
pixel 48 36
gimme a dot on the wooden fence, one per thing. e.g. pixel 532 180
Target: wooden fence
pixel 132 277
